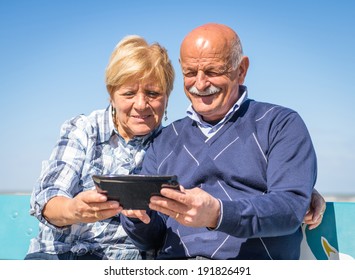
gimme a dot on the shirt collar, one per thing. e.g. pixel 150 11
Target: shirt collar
pixel 191 113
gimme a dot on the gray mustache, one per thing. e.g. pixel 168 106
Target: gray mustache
pixel 208 91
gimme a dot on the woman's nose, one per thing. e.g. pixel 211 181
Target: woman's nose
pixel 141 101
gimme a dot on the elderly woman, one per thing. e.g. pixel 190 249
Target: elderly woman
pixel 76 222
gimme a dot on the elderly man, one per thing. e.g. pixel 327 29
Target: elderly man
pixel 247 169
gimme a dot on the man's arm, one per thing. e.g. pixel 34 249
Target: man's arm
pixel 145 236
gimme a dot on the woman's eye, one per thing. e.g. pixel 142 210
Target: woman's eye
pixel 153 93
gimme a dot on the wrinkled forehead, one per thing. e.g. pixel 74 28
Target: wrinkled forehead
pixel 205 54
pixel 207 43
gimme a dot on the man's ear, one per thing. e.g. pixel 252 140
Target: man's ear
pixel 243 69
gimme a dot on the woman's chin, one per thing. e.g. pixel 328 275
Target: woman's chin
pixel 143 130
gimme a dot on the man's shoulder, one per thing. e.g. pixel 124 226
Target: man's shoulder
pixel 176 125
pixel 172 130
pixel 260 110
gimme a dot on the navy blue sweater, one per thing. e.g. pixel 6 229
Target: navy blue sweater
pixel 261 165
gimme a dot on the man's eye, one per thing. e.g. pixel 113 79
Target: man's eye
pixel 190 74
pixel 213 73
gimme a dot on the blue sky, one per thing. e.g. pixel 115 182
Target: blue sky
pixel 53 55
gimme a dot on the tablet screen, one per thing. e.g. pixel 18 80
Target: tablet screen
pixel 133 191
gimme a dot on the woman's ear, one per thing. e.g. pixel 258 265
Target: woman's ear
pixel 112 102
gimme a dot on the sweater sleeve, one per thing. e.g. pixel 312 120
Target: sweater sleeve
pixel 291 174
pixel 145 236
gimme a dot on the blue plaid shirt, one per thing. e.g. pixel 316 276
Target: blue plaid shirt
pixel 88 145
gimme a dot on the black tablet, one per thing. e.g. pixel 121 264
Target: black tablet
pixel 133 191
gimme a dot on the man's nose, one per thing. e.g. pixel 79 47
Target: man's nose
pixel 202 81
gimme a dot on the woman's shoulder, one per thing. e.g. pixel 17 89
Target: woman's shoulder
pixel 90 123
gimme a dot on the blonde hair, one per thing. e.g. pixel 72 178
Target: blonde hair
pixel 134 59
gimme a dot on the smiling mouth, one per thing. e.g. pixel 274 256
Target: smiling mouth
pixel 140 117
pixel 203 93
pixel 207 92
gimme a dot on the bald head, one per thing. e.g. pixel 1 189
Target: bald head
pixel 213 67
pixel 218 39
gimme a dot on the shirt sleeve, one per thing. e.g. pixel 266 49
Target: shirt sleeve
pixel 60 175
